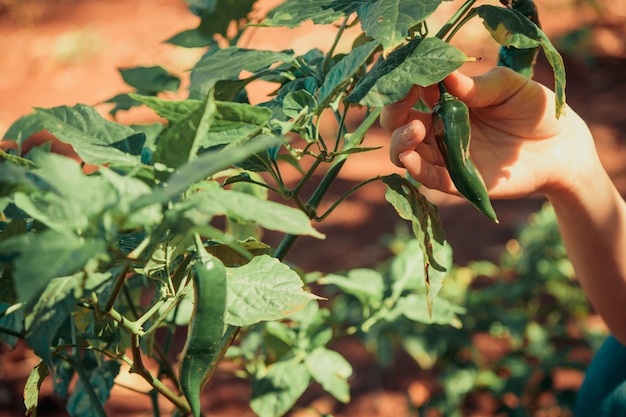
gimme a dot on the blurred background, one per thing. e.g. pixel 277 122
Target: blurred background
pixel 64 52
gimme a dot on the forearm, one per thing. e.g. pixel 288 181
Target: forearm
pixel 592 222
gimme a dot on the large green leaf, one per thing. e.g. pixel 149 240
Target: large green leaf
pixel 58 254
pixel 366 285
pixel 216 17
pixel 389 21
pixel 416 307
pixel 277 389
pixel 424 217
pixel 422 62
pixel 511 28
pixel 12 321
pixel 207 164
pixel 212 200
pixel 91 136
pixel 150 80
pixel 50 312
pixel 331 371
pixel 23 128
pixel 32 386
pixel 97 387
pixel 181 140
pixel 228 63
pixel 80 203
pixel 343 71
pixel 14 178
pixel 231 121
pixel 292 13
pixel 171 110
pixel 407 270
pixel 263 289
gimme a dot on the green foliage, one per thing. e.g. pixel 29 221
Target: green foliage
pixel 164 231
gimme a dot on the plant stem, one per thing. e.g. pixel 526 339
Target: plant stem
pixel 139 368
pixel 330 53
pixel 343 197
pixel 130 326
pixel 119 284
pixel 355 139
pixel 455 18
pixel 466 19
pixel 306 176
pixel 11 332
pixel 95 401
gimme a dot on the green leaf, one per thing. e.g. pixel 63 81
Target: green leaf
pixel 216 17
pixel 366 285
pixel 232 121
pixel 32 386
pixel 81 203
pixel 100 380
pixel 14 320
pixel 212 201
pixel 122 102
pixel 331 371
pixel 50 312
pixel 275 391
pixel 411 205
pixel 416 307
pixel 150 80
pixel 299 104
pixel 173 111
pixel 192 38
pixel 422 62
pixel 218 20
pixel 228 63
pixel 180 141
pixel 23 128
pixel 90 134
pixel 293 13
pixel 389 21
pixel 263 289
pixel 407 270
pixel 58 254
pixel 511 28
pixel 343 71
pixel 15 178
pixel 16 160
pixel 204 166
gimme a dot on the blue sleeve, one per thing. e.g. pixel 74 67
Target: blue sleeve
pixel 603 392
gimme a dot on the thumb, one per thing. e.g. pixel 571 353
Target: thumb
pixel 400 113
pixel 489 89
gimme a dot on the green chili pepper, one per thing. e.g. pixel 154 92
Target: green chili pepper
pixel 206 328
pixel 451 125
pixel 520 60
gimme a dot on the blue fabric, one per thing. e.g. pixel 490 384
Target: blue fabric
pixel 603 392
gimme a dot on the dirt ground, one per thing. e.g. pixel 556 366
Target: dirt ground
pixel 68 51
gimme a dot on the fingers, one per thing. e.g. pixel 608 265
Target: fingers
pixel 406 138
pixel 435 177
pixel 489 89
pixel 398 114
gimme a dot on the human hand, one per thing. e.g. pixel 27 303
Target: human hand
pixel 517 143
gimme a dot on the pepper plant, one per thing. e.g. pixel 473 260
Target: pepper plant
pixel 162 236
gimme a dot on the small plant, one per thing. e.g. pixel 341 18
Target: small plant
pixel 99 266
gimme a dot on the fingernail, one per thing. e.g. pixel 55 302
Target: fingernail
pixel 408 133
pixel 403 156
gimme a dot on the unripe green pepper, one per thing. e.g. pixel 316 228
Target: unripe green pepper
pixel 451 125
pixel 201 352
pixel 520 60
